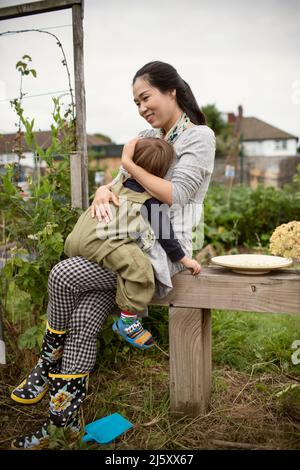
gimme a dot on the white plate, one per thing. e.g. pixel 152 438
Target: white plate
pixel 251 263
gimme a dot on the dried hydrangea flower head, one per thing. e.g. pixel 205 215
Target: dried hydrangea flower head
pixel 285 240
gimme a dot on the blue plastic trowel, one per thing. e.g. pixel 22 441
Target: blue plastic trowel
pixel 106 429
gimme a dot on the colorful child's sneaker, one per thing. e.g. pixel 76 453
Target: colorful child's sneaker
pixel 134 334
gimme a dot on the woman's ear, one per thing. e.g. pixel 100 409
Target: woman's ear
pixel 173 93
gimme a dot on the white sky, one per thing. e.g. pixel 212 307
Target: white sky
pixel 230 52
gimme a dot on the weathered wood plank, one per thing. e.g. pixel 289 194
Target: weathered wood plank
pixel 219 288
pixel 76 189
pixel 206 338
pixel 190 360
pixel 79 166
pixel 34 8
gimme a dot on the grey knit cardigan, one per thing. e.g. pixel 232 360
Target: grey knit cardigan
pixel 190 174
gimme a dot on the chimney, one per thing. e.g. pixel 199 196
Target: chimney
pixel 240 110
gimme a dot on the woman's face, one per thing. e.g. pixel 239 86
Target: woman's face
pixel 156 107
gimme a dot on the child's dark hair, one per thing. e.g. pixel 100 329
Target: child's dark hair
pixel 154 155
pixel 165 77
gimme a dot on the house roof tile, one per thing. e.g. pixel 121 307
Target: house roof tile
pixel 9 142
pixel 253 128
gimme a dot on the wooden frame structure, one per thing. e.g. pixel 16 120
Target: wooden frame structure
pixel 78 160
pixel 190 304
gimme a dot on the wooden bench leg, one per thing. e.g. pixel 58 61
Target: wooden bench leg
pixel 190 360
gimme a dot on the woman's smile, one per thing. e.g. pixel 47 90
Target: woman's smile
pixel 150 117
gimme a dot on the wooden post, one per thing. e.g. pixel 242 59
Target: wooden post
pixel 79 161
pixel 190 360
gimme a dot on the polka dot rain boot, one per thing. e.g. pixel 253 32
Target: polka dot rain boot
pixel 35 385
pixel 67 393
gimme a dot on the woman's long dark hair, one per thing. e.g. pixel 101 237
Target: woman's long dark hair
pixel 165 77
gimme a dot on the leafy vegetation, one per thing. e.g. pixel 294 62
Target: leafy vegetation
pixel 249 216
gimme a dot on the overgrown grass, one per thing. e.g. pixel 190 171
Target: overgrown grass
pixel 244 409
pixel 243 340
pixel 253 376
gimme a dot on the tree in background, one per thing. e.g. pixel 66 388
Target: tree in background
pixel 104 137
pixel 221 128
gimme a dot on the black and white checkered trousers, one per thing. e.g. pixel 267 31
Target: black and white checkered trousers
pixel 81 296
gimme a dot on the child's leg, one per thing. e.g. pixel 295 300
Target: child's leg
pixel 135 289
pixel 136 283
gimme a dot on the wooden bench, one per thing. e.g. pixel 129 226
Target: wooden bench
pixel 190 305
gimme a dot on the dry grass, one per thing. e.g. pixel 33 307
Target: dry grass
pixel 245 411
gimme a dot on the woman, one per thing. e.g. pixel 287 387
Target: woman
pixel 81 293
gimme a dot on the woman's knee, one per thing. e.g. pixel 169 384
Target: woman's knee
pixel 58 272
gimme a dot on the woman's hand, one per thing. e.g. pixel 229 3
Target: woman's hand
pixel 100 205
pixel 128 152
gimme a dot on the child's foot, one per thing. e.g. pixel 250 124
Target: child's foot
pixel 134 333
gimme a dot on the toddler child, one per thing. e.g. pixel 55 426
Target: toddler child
pixel 121 245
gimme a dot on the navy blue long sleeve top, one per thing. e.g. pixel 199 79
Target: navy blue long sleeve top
pixel 161 225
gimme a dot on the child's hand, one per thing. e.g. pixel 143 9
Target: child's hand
pixel 128 152
pixel 191 264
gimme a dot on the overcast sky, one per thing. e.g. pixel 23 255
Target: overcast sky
pixel 230 52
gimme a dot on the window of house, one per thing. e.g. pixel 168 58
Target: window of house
pixel 280 144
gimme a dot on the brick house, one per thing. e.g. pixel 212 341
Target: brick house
pixel 265 154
